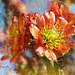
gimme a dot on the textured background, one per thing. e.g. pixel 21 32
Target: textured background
pixel 32 6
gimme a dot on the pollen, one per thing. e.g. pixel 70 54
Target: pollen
pixel 16 31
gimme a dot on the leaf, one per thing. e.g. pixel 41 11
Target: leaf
pixel 65 1
pixel 73 1
pixel 61 72
pixel 50 69
pixel 41 69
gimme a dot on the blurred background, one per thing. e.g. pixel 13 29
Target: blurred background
pixel 9 8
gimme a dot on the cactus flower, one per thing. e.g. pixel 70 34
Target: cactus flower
pixel 52 32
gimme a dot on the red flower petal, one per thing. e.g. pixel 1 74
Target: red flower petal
pixel 40 22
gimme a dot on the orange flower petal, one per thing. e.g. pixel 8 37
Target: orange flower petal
pixel 57 53
pixel 39 50
pixel 55 8
pixel 70 42
pixel 52 17
pixel 64 10
pixel 70 30
pixel 34 31
pixel 41 39
pixel 4 57
pixel 63 49
pixel 62 21
pixel 21 25
pixel 50 55
pixel 49 17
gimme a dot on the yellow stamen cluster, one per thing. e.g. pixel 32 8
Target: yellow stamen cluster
pixel 53 36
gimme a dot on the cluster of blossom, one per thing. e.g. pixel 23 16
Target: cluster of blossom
pixel 49 34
